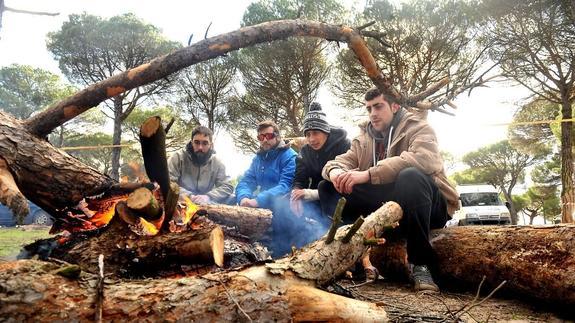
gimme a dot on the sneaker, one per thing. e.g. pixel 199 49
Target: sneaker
pixel 422 279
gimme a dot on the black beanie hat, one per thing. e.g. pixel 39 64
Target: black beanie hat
pixel 315 119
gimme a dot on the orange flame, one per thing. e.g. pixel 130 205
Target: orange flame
pixel 190 211
pixel 144 228
pixel 102 218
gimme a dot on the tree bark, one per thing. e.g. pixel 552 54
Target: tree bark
pixel 536 262
pixel 567 162
pixel 47 176
pixel 251 223
pixel 40 294
pixel 44 122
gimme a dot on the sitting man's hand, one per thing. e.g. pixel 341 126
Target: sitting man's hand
pixel 347 180
pixel 296 207
pixel 249 202
pixel 200 199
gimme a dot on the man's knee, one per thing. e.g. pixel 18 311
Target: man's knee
pixel 411 178
pixel 325 187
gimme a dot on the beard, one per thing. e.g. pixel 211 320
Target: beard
pixel 199 158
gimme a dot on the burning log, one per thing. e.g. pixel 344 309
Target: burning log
pixel 536 262
pixel 133 255
pixel 281 291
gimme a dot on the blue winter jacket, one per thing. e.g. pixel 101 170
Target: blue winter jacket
pixel 272 171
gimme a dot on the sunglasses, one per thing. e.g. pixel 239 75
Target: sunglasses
pixel 267 136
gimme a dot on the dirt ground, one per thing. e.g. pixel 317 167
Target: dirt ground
pixel 404 305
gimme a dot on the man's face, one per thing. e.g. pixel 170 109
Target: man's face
pixel 201 143
pixel 267 138
pixel 380 112
pixel 316 139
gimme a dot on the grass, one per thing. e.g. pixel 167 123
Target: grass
pixel 12 239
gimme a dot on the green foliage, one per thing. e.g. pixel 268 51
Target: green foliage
pixel 25 89
pixel 428 40
pixel 205 92
pixel 534 137
pixel 500 165
pixel 280 79
pixel 90 49
pixel 13 239
pixel 99 158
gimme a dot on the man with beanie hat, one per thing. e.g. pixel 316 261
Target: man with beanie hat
pixel 305 223
pixel 395 158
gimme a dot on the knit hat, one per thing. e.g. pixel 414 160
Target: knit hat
pixel 315 119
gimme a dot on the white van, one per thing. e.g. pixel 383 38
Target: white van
pixel 480 204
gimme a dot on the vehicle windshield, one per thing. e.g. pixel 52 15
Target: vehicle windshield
pixel 475 199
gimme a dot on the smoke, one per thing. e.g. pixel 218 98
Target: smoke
pixel 290 230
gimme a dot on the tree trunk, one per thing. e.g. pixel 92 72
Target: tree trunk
pixel 117 138
pixel 41 294
pixel 47 176
pixel 536 262
pixel 567 173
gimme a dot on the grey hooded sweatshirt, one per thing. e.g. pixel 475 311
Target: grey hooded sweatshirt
pixel 209 179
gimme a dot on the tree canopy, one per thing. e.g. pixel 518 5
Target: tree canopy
pixel 90 49
pixel 25 89
pixel 282 78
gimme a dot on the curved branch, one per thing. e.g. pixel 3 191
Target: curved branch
pixel 43 123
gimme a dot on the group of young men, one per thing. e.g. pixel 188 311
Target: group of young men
pixel 394 158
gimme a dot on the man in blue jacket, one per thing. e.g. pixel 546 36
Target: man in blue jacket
pixel 272 170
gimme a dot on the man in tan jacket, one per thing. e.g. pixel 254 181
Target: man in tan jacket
pixel 395 158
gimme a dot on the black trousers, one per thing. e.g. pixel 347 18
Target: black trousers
pixel 424 208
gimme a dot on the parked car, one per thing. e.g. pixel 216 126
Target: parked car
pixel 36 216
pixel 480 204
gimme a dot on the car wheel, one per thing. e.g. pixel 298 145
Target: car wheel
pixel 462 222
pixel 42 218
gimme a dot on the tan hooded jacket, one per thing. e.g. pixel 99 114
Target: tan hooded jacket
pixel 413 144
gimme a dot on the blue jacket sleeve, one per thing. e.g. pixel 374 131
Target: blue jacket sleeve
pixel 247 185
pixel 287 170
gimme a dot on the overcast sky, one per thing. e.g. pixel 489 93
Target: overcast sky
pixel 22 40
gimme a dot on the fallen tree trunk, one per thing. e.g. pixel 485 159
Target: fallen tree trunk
pixel 47 176
pixel 40 294
pixel 536 262
pixel 283 291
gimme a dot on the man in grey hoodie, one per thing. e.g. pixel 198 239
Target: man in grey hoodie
pixel 201 176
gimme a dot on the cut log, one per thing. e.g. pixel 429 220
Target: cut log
pixel 251 223
pixel 536 262
pixel 322 262
pixel 143 202
pixel 153 142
